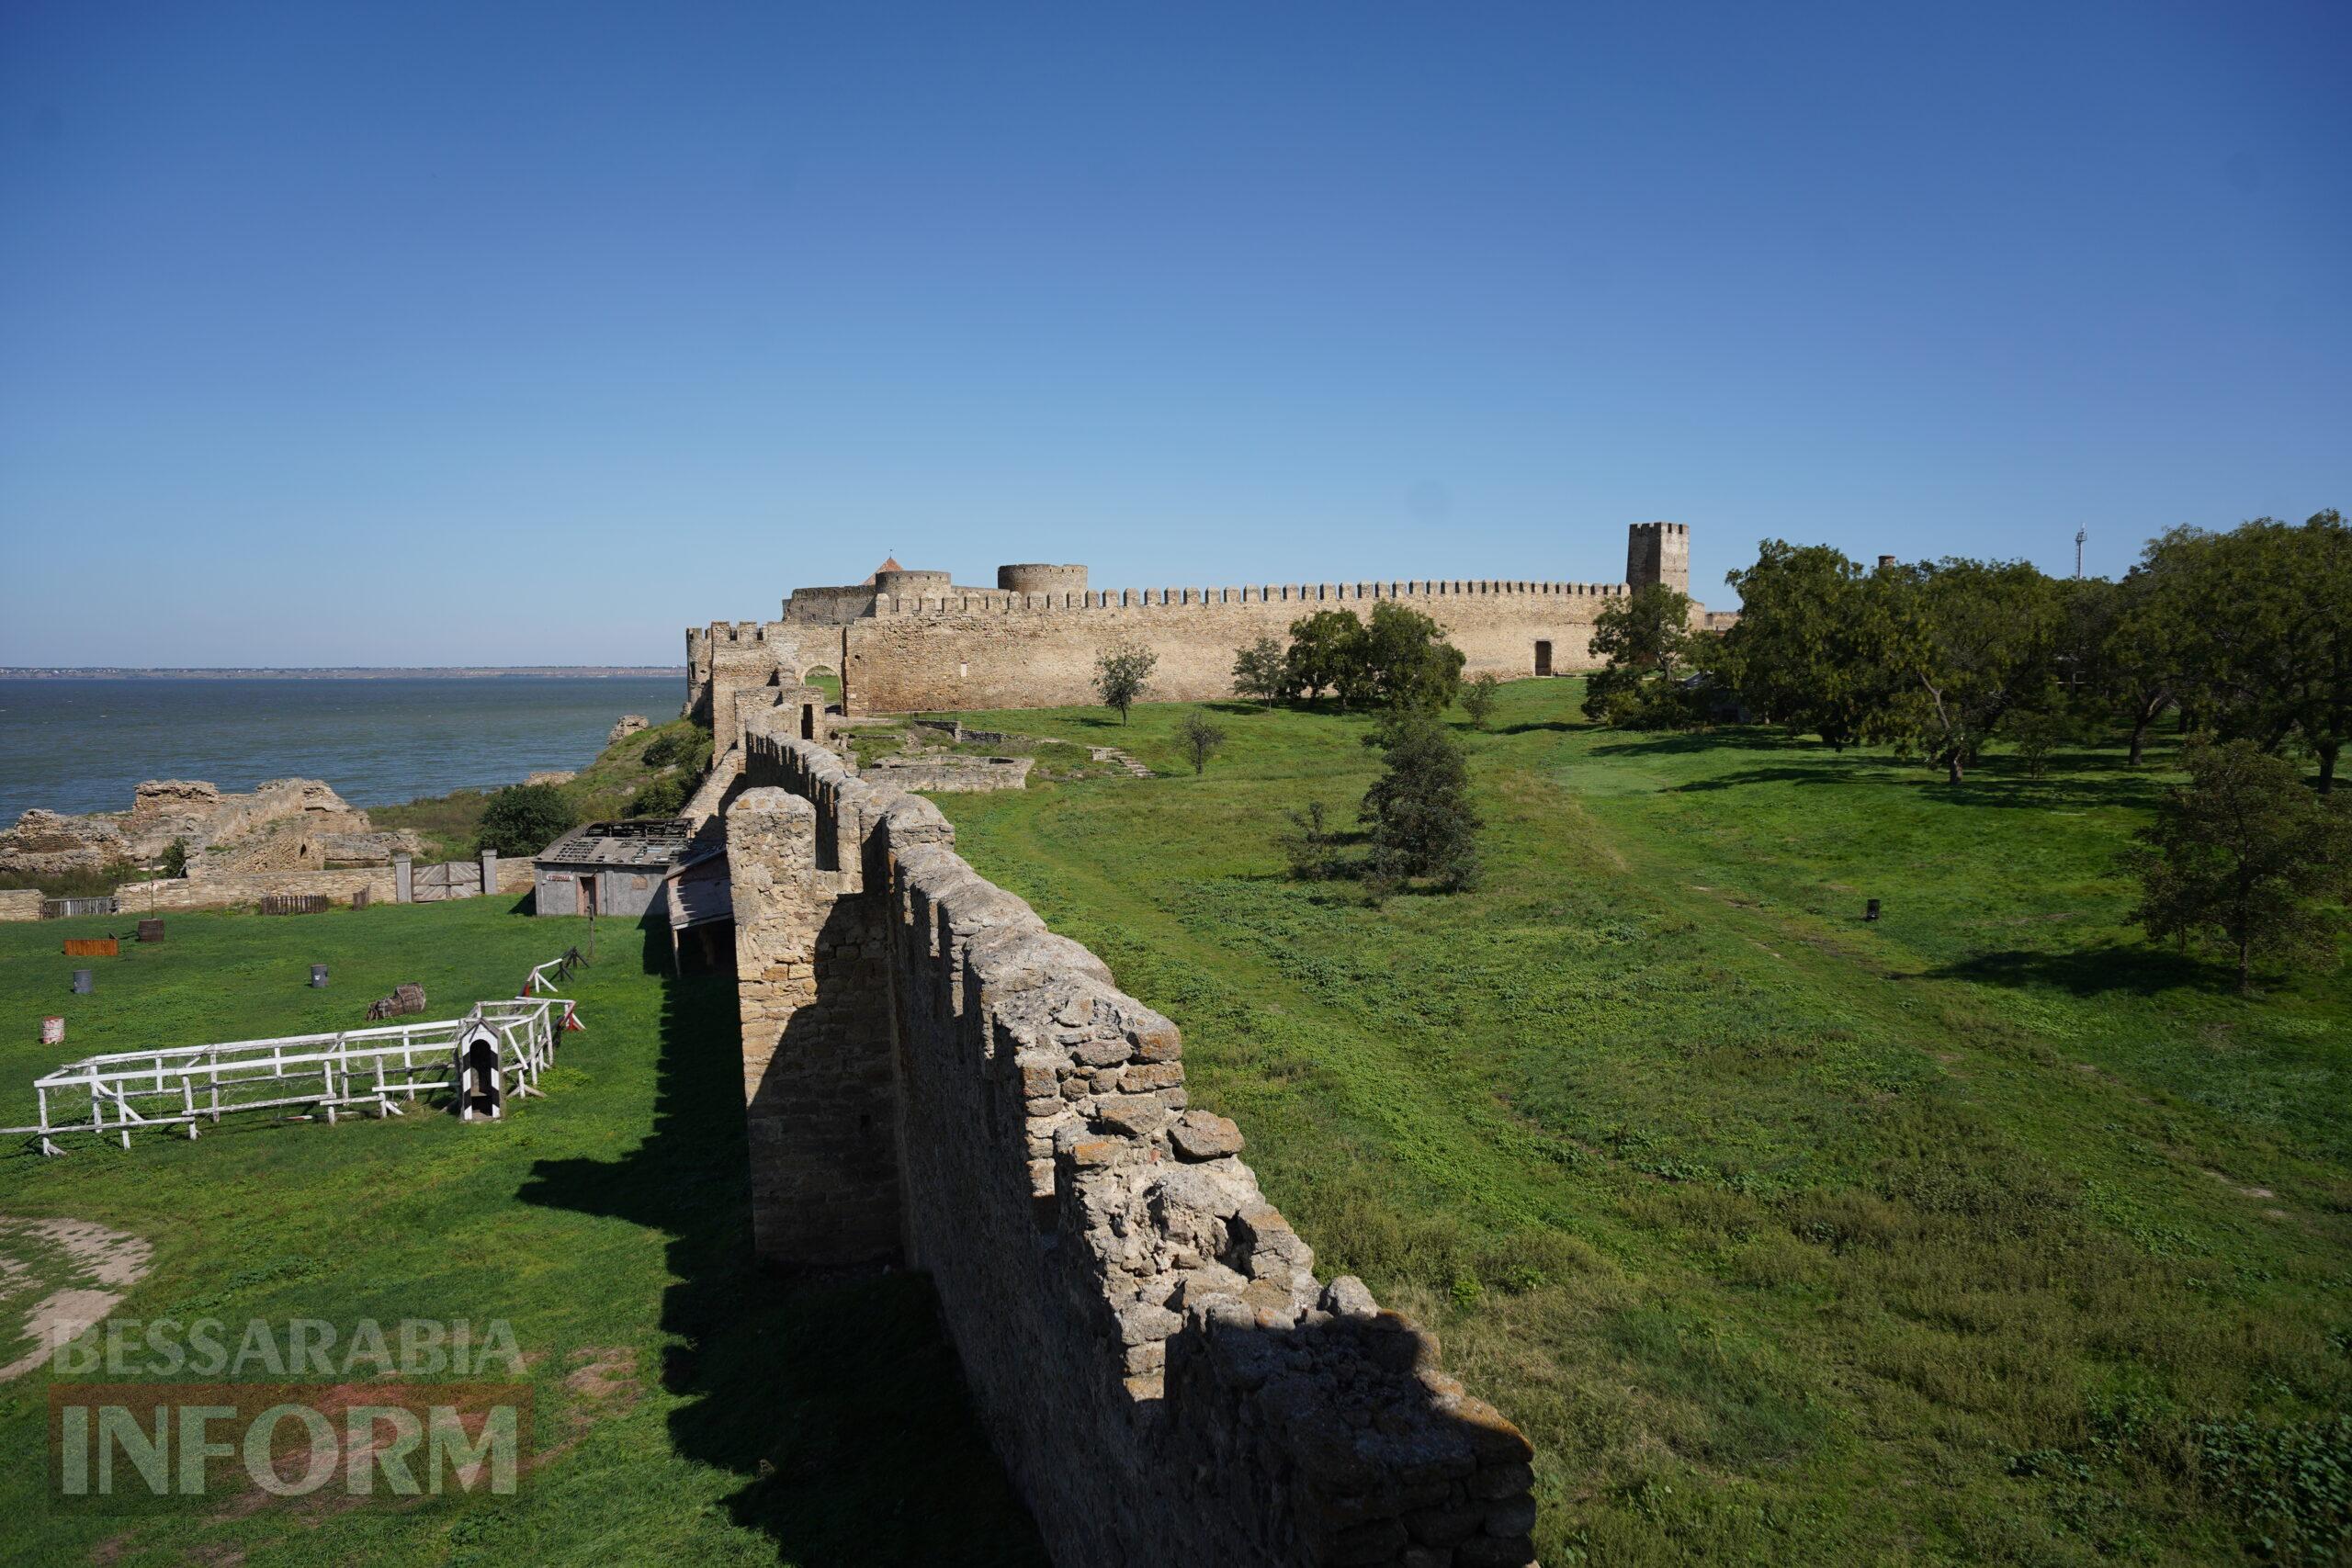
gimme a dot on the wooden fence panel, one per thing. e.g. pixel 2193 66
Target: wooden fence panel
pixel 293 903
pixel 65 908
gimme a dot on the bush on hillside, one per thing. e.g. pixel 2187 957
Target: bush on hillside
pixel 523 819
pixel 2246 857
pixel 1418 811
pixel 664 797
pixel 1478 694
pixel 686 745
pixel 1201 740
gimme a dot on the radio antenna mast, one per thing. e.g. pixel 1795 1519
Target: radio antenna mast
pixel 2080 535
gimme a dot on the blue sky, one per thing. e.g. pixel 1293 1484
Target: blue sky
pixel 405 333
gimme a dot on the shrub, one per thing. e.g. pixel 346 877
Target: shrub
pixel 523 819
pixel 1309 844
pixel 1478 694
pixel 1121 674
pixel 688 746
pixel 175 859
pixel 2037 734
pixel 664 797
pixel 1419 809
pixel 2245 855
pixel 1201 740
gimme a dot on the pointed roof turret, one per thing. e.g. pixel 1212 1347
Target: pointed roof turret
pixel 889 563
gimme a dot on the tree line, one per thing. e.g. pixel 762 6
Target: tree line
pixel 2244 635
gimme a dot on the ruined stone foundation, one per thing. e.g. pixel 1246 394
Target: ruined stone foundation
pixel 935 1079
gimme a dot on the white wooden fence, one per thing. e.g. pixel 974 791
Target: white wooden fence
pixel 378 1070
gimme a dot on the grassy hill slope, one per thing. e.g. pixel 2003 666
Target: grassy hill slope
pixel 452 823
pixel 1982 1233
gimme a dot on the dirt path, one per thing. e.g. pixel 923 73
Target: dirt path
pixel 86 1269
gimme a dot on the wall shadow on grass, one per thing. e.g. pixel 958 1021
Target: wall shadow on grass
pixel 1988 786
pixel 1686 742
pixel 838 1402
pixel 2092 971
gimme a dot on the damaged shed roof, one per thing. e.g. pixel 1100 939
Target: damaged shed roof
pixel 637 842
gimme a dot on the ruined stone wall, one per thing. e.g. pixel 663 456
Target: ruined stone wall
pixel 726 662
pixel 236 890
pixel 933 1075
pixel 991 650
pixel 950 774
pixel 15 905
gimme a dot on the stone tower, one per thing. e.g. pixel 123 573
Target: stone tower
pixel 1658 552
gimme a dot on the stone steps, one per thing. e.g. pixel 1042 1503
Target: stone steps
pixel 1112 754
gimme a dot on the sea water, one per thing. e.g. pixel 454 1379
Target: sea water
pixel 79 745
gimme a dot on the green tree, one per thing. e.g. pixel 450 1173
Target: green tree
pixel 1122 673
pixel 1973 642
pixel 1326 653
pixel 2138 663
pixel 176 858
pixel 2038 733
pixel 2245 854
pixel 523 819
pixel 2269 643
pixel 1645 637
pixel 1417 812
pixel 1407 662
pixel 1259 670
pixel 1478 694
pixel 1201 740
pixel 1807 650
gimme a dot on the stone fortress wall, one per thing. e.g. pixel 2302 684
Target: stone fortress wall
pixel 913 641
pixel 933 1078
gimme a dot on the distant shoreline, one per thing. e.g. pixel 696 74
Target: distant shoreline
pixel 345 672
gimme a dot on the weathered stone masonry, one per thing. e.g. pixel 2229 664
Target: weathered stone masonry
pixel 913 640
pixel 933 1076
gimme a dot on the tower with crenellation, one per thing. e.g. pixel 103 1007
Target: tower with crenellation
pixel 1658 552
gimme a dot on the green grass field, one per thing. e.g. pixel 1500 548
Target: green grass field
pixel 1982 1233
pixel 691 1410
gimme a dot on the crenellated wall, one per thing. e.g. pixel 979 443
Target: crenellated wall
pixel 998 650
pixel 932 1075
pixel 911 642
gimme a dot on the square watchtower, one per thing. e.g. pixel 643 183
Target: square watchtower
pixel 1658 552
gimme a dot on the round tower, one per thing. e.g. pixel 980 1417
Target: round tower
pixel 910 584
pixel 1034 577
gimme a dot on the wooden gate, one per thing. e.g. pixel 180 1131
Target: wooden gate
pixel 450 879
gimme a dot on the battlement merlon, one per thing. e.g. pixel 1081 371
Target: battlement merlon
pixel 979 601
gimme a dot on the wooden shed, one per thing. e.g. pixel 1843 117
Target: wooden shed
pixel 607 868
